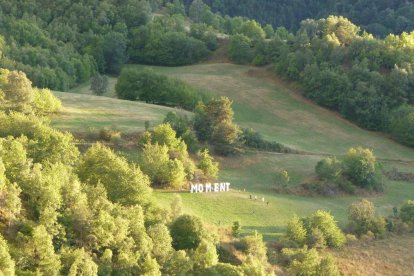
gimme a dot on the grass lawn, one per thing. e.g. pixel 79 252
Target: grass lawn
pixel 86 113
pixel 280 114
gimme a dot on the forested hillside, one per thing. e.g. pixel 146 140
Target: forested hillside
pixel 59 44
pixel 379 17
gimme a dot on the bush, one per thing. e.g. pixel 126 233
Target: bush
pixel 360 166
pixel 109 134
pixel 282 179
pixel 362 219
pixel 235 229
pixel 44 102
pixel 254 139
pixel 329 169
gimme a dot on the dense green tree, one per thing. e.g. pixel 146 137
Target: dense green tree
pixel 163 171
pixel 207 165
pixel 40 253
pixel 99 84
pixel 296 231
pixel 79 262
pixel 161 239
pixel 7 265
pixel 187 232
pixel 205 255
pixel 44 102
pixel 240 49
pixel 360 167
pixel 214 123
pixel 177 264
pixel 407 212
pixel 255 247
pixel 17 90
pixel 329 169
pixel 125 183
pixel 362 218
pixel 402 125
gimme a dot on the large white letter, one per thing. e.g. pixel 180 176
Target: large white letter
pixel 208 188
pixel 216 187
pixel 227 186
pixel 200 188
pixel 222 187
pixel 194 188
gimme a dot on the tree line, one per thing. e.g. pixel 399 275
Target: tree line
pixel 379 17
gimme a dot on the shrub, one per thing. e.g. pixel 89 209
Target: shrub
pixel 360 167
pixel 295 231
pixel 362 219
pixel 282 179
pixel 407 212
pixel 44 102
pixel 235 229
pixel 329 169
pixel 109 134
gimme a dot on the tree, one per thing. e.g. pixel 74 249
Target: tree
pixel 17 89
pixel 253 30
pixel 304 261
pixel 402 125
pixel 269 31
pixel 240 49
pixel 125 183
pixel 80 262
pixel 163 171
pixel 40 253
pixel 296 231
pixel 6 262
pixel 214 122
pixel 187 232
pixel 361 213
pixel 205 255
pixel 282 179
pixel 255 247
pixel 149 267
pixel 407 212
pixel 360 167
pixel 99 84
pixel 114 51
pixel 207 165
pixel 10 205
pixel 44 102
pixel 235 229
pixel 326 223
pixel 329 169
pixel 177 264
pixel 197 10
pixel 161 242
pixel 176 207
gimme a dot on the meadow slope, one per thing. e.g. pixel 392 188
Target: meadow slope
pixel 281 114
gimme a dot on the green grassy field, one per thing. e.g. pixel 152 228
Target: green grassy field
pixel 86 113
pixel 280 114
